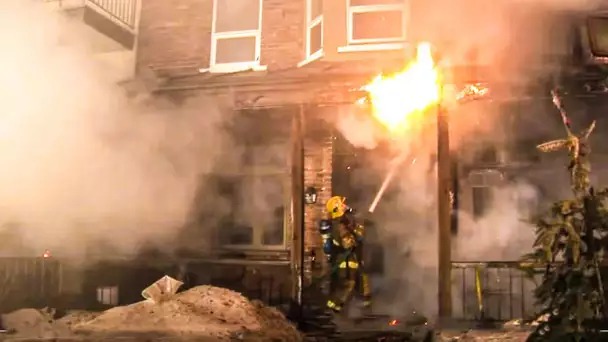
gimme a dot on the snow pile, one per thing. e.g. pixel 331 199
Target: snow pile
pixel 76 317
pixel 485 336
pixel 32 323
pixel 203 311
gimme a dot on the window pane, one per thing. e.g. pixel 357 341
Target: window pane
pixel 487 155
pixel 256 209
pixel 232 229
pixel 316 8
pixel 264 201
pixel 237 15
pixel 598 31
pixel 235 50
pixel 316 38
pixel 378 25
pixel 376 2
pixel 274 231
pixel 482 201
pixel 235 234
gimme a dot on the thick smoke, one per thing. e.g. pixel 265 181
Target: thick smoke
pixel 83 165
pixel 506 38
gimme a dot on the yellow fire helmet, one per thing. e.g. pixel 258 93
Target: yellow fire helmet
pixel 336 206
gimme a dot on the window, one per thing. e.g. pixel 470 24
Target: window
pixel 598 35
pixel 236 35
pixel 107 295
pixel 314 28
pixel 482 201
pixel 376 21
pixel 246 199
pixel 257 214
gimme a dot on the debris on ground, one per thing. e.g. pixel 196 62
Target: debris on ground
pixel 521 323
pixel 203 311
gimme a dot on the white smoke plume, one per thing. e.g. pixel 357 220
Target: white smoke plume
pixel 81 164
pixel 465 33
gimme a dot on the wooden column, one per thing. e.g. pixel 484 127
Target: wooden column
pixel 297 209
pixel 444 245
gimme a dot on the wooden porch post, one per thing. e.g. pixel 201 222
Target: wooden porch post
pixel 444 219
pixel 297 211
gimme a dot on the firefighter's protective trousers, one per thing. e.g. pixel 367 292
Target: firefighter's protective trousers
pixel 350 276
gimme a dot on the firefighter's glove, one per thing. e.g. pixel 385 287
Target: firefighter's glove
pixel 359 233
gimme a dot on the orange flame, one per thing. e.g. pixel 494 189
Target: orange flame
pixel 399 100
pixel 393 322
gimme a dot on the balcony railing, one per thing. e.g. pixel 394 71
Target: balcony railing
pixel 123 12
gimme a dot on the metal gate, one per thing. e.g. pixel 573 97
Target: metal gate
pixel 492 290
pixel 28 282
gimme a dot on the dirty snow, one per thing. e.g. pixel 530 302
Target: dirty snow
pixel 32 323
pixel 203 311
pixel 485 336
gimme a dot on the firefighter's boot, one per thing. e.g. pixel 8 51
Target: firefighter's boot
pixel 333 306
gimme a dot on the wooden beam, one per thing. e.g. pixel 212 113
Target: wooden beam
pixel 444 244
pixel 297 209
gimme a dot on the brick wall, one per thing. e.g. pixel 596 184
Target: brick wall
pixel 178 33
pixel 175 32
pixel 318 150
pixel 317 173
pixel 282 33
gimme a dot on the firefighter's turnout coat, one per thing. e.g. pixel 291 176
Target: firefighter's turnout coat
pixel 343 241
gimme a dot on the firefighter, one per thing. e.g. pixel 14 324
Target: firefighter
pixel 344 249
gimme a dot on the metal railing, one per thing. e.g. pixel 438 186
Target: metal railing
pixel 498 291
pixel 122 11
pixel 28 282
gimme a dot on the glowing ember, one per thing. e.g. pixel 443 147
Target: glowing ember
pixel 472 92
pixel 393 322
pixel 46 254
pixel 397 99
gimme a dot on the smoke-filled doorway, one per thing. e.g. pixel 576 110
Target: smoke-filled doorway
pixel 400 244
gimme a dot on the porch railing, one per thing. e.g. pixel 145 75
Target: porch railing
pixel 123 12
pixel 498 291
pixel 28 282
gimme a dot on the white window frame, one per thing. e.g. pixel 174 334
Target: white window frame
pixel 239 66
pixel 108 295
pixel 310 24
pixel 352 10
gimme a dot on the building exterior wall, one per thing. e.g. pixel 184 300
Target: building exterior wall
pixel 178 33
pixel 318 172
pixel 175 33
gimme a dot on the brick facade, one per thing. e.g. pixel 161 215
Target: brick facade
pixel 282 33
pixel 174 33
pixel 177 33
pixel 317 173
pixel 318 158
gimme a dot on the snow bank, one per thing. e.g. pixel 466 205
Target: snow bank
pixel 32 323
pixel 484 336
pixel 203 311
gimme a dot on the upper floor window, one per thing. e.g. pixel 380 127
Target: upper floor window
pixel 236 35
pixel 376 21
pixel 314 28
